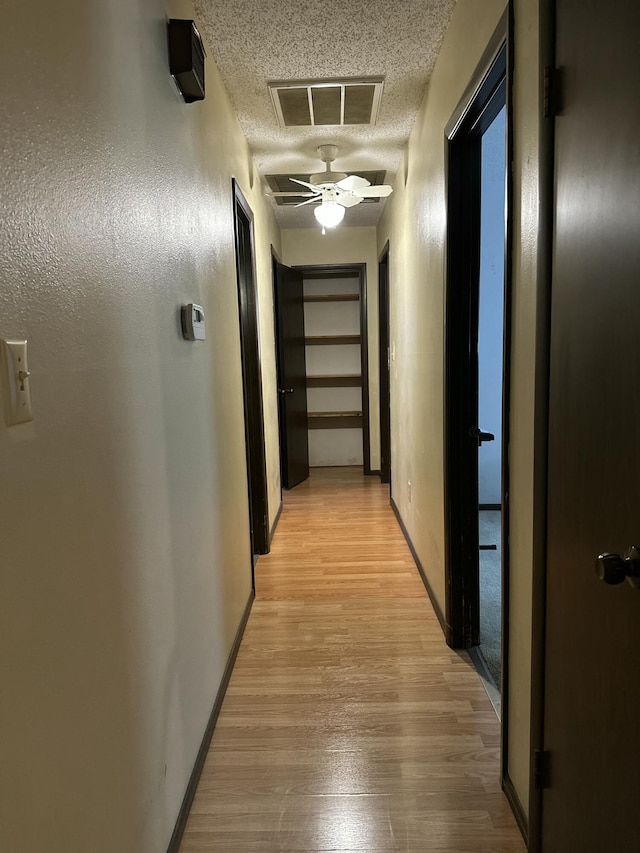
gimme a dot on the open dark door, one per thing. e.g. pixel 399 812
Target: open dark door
pixel 251 374
pixel 292 376
pixel 592 642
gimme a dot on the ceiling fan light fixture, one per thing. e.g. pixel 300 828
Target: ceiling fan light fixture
pixel 329 214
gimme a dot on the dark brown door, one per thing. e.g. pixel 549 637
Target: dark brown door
pixel 592 667
pixel 385 410
pixel 251 375
pixel 292 372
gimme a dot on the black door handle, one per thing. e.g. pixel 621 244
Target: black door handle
pixel 476 432
pixel 286 390
pixel 614 569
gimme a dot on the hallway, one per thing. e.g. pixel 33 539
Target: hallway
pixel 348 724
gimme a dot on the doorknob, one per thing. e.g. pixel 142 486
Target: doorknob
pixel 476 432
pixel 286 390
pixel 614 569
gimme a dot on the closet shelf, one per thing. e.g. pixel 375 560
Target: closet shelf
pixel 334 420
pixel 339 380
pixel 332 297
pixel 325 340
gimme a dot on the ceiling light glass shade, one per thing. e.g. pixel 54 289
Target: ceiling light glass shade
pixel 329 214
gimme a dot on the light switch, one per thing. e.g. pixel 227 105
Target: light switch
pixel 15 381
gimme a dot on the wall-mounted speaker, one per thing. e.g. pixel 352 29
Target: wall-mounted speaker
pixel 186 59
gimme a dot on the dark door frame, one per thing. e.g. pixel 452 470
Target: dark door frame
pixel 384 366
pixel 359 271
pixel 463 148
pixel 490 89
pixel 251 373
pixel 275 259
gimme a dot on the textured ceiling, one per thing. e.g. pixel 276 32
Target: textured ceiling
pixel 256 41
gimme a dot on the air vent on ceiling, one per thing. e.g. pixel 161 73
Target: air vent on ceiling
pixel 326 102
pixel 282 184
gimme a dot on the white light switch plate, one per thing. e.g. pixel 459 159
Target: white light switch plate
pixel 15 382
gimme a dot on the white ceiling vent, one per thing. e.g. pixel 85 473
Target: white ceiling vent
pixel 315 103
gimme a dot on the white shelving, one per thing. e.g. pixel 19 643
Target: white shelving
pixel 334 381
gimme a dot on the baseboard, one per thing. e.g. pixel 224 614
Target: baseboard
pixel 374 472
pixel 516 807
pixel 275 523
pixel 423 574
pixel 185 808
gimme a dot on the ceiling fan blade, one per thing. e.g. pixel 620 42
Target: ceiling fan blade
pixel 353 182
pixel 308 201
pixel 291 195
pixel 347 199
pixel 313 187
pixel 374 192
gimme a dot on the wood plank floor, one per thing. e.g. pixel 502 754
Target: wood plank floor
pixel 348 724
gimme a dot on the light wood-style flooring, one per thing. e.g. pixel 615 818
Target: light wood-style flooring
pixel 348 724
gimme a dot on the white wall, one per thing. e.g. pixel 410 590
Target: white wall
pixel 414 222
pixel 307 246
pixel 124 539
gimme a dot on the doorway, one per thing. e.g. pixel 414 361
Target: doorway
pixel 476 368
pixel 331 318
pixel 490 385
pixel 251 375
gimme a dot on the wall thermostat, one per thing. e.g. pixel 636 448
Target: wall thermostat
pixel 193 322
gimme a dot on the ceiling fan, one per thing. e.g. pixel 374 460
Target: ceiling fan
pixel 334 190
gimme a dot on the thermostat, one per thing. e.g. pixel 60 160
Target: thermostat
pixel 193 322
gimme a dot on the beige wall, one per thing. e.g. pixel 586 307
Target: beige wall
pixel 414 222
pixel 346 246
pixel 124 555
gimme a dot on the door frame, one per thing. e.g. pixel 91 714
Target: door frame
pixel 493 75
pixel 251 376
pixel 275 259
pixel 359 271
pixel 384 342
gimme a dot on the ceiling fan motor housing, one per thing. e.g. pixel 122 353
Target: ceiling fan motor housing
pixel 327 153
